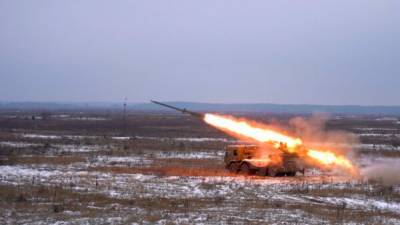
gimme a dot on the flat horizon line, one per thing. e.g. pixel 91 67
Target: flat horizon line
pixel 191 102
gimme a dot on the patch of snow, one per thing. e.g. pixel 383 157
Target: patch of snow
pixel 188 155
pixel 355 203
pixel 39 136
pixel 377 135
pixel 18 171
pixel 72 213
pixel 122 160
pixel 87 118
pixel 374 129
pixel 387 119
pixel 190 139
pixel 61 116
pixel 79 137
pixel 120 138
pixel 9 116
pixel 78 148
pixel 204 139
pixel 48 136
pixel 376 147
pixel 17 144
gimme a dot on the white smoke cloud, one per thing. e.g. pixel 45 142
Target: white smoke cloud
pixel 386 172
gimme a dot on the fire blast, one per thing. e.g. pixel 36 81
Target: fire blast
pixel 258 132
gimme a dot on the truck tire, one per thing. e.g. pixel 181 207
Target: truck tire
pixel 291 174
pixel 262 171
pixel 233 168
pixel 272 172
pixel 245 169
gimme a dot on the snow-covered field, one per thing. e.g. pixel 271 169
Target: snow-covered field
pixel 212 199
pixel 266 199
pixel 91 178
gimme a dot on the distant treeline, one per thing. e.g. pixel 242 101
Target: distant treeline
pixel 209 107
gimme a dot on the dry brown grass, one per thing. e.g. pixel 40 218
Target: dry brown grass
pixel 40 159
pixel 366 190
pixel 163 171
pixel 50 201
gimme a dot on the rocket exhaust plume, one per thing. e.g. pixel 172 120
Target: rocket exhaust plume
pixel 245 129
pixel 249 130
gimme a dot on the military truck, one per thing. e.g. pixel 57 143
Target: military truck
pixel 244 159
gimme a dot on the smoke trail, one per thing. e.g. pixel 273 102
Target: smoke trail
pixel 386 172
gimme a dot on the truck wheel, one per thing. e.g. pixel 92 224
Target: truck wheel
pixel 244 169
pixel 291 174
pixel 262 172
pixel 272 172
pixel 233 168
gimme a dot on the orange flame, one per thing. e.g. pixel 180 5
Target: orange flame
pixel 329 158
pixel 256 133
pixel 259 133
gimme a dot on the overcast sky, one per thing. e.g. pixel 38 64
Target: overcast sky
pixel 312 52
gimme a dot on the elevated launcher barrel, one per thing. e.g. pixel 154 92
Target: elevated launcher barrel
pixel 184 111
